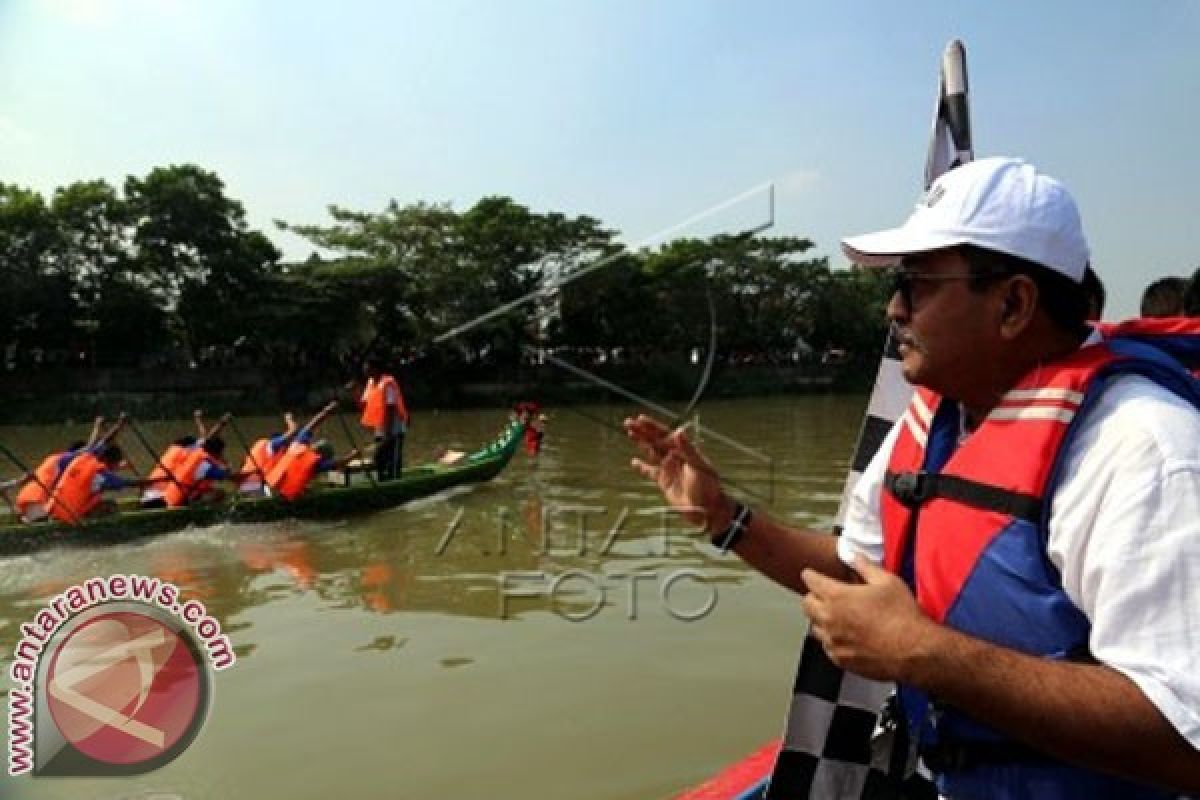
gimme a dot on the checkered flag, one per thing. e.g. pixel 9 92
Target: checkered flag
pixel 845 740
pixel 950 142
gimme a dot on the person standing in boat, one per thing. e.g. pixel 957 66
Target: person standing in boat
pixel 386 416
pixel 1021 556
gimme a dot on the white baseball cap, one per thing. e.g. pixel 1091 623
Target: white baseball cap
pixel 999 204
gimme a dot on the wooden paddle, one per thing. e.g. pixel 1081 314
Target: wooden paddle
pixel 354 444
pixel 157 462
pixel 208 433
pixel 237 432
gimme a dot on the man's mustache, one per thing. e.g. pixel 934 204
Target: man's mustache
pixel 904 336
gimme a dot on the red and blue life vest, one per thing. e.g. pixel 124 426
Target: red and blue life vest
pixel 965 524
pixel 1175 335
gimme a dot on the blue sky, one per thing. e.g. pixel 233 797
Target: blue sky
pixel 640 113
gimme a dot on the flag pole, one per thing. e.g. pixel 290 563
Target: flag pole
pixel 802 769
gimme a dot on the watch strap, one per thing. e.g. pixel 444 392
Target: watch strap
pixel 726 540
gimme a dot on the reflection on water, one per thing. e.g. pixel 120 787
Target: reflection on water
pixel 430 650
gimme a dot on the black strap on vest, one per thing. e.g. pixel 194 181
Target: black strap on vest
pixel 913 489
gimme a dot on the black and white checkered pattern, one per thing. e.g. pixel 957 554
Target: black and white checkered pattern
pixel 839 744
pixel 827 750
pixel 836 745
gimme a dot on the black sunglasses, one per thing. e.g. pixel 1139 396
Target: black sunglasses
pixel 903 280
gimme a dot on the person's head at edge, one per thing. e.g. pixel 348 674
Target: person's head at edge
pixel 1164 297
pixel 372 367
pixel 991 265
pixel 1191 298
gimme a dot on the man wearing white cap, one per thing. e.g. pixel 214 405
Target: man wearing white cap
pixel 1022 556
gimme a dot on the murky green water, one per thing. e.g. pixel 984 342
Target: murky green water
pixel 383 657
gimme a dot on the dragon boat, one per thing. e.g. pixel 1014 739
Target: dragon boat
pixel 354 493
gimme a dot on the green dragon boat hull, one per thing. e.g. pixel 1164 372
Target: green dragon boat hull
pixel 319 502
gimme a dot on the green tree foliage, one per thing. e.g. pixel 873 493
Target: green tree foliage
pixel 114 305
pixel 192 249
pixel 109 278
pixel 421 270
pixel 758 291
pixel 848 313
pixel 166 270
pixel 36 305
pixel 610 307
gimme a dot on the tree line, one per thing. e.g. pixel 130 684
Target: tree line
pixel 165 273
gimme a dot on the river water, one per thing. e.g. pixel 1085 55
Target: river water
pixel 486 643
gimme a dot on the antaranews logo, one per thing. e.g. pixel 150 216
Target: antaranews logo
pixel 112 677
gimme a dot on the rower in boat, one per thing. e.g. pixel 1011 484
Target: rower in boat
pixel 481 464
pixel 165 482
pixel 35 487
pixel 265 454
pixel 194 481
pixel 301 463
pixel 78 493
pixel 170 462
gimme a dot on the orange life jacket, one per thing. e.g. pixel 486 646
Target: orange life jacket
pixel 292 473
pixel 259 462
pixel 375 402
pixel 185 486
pixel 172 458
pixel 37 492
pixel 74 497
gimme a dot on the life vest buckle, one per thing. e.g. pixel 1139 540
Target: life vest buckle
pixel 911 488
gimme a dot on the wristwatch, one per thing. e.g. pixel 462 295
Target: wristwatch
pixel 726 539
